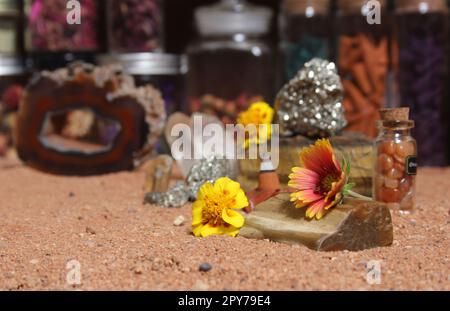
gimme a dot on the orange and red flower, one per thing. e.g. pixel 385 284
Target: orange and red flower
pixel 321 181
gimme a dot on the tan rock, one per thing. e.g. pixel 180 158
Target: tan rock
pixel 354 225
pixel 157 173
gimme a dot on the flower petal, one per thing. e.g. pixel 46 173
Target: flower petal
pixel 226 186
pixel 320 158
pixel 316 210
pixel 241 200
pixel 197 230
pixel 204 190
pixel 197 210
pixel 307 196
pixel 231 231
pixel 303 179
pixel 208 230
pixel 232 217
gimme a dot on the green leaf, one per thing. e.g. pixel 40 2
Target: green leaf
pixel 348 187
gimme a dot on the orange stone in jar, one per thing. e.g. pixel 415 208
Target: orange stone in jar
pixel 390 195
pixel 385 162
pixel 379 181
pixel 387 147
pixel 404 149
pixel 399 167
pixel 391 183
pixel 394 173
pixel 405 185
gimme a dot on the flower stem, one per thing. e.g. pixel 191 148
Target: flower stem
pixel 359 196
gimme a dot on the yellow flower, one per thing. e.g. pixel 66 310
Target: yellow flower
pixel 259 114
pixel 214 211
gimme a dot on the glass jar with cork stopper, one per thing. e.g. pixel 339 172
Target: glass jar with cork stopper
pixel 305 32
pixel 396 160
pixel 363 61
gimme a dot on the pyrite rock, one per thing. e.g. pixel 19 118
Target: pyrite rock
pixel 355 225
pixel 311 103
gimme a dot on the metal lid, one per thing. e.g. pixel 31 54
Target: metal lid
pixel 11 65
pixel 147 63
pixel 230 17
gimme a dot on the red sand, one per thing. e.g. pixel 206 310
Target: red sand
pixel 124 245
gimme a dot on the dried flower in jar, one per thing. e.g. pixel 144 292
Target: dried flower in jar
pixel 135 25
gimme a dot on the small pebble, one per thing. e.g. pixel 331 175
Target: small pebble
pixel 34 261
pixel 205 267
pixel 179 221
pixel 71 194
pixel 90 230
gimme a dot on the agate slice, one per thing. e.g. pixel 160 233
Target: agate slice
pixel 85 120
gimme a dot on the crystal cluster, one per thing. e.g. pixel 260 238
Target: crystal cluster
pixel 311 103
pixel 207 170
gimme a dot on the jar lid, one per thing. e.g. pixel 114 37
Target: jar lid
pixel 11 65
pixel 309 8
pixel 147 63
pixel 421 6
pixel 9 7
pixel 395 114
pixel 356 6
pixel 230 17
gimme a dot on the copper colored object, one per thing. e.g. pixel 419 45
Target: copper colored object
pixel 85 120
pixel 268 186
pixel 365 61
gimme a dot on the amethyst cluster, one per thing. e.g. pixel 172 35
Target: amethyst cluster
pixel 135 25
pixel 49 30
pixel 422 77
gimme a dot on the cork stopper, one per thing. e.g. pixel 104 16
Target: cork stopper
pixel 306 7
pixel 395 114
pixel 355 6
pixel 421 6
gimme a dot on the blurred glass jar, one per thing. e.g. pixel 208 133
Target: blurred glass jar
pixel 231 65
pixel 49 30
pixel 163 71
pixel 396 164
pixel 10 27
pixel 305 32
pixel 420 57
pixel 13 78
pixel 135 25
pixel 363 61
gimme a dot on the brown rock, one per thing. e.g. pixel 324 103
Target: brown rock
pixel 354 225
pixel 157 173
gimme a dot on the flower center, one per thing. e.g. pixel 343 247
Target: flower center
pixel 326 183
pixel 214 204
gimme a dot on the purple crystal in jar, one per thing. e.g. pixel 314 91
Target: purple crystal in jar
pixel 421 77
